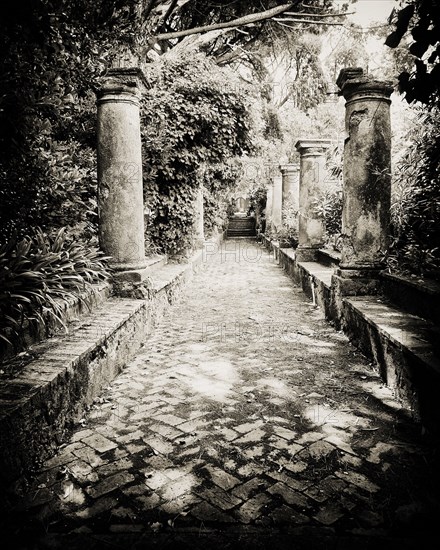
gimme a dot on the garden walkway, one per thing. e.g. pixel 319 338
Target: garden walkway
pixel 245 420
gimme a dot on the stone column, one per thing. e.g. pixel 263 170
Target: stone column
pixel 199 230
pixel 277 201
pixel 269 206
pixel 290 177
pixel 367 179
pixel 120 191
pixel 311 187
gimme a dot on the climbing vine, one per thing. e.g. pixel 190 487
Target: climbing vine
pixel 194 121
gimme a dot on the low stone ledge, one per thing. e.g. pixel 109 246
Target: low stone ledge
pixel 71 311
pixel 329 258
pixel 405 349
pixel 418 296
pixel 42 399
pixel 314 279
pixel 41 402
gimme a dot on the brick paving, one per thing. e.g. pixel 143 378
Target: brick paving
pixel 245 421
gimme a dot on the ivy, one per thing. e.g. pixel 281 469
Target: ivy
pixel 194 120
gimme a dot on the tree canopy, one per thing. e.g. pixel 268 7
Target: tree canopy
pixel 420 20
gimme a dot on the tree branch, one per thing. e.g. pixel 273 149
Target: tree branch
pixel 246 20
pixel 168 13
pixel 292 20
pixel 148 8
pixel 302 14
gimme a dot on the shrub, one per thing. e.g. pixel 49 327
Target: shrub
pixel 39 274
pixel 53 51
pixel 328 207
pixel 415 209
pixel 194 119
pixel 287 235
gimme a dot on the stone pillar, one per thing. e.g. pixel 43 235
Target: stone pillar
pixel 290 177
pixel 277 201
pixel 120 191
pixel 199 230
pixel 367 179
pixel 311 187
pixel 269 206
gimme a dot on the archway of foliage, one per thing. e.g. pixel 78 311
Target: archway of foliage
pixel 195 121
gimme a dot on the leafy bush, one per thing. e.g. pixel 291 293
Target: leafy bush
pixel 328 207
pixel 194 119
pixel 53 52
pixel 415 209
pixel 39 274
pixel 287 235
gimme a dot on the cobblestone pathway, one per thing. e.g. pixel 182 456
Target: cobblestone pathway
pixel 245 420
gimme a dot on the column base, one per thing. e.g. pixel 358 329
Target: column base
pixel 307 254
pixel 357 282
pixel 131 275
pixel 199 243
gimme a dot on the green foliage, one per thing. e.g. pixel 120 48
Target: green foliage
pixel 258 197
pixel 287 235
pixel 52 53
pixel 194 118
pixel 328 207
pixel 39 274
pixel 415 205
pixel 420 18
pixel 234 44
pixel 220 181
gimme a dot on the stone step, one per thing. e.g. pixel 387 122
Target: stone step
pixel 241 233
pixel 236 225
pixel 241 227
pixel 242 221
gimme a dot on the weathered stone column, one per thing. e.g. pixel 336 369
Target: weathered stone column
pixel 367 179
pixel 290 176
pixel 120 193
pixel 277 202
pixel 269 198
pixel 199 230
pixel 311 187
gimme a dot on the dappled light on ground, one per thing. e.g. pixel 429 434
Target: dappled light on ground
pixel 213 430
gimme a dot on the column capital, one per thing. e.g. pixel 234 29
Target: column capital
pixel 312 147
pixel 122 84
pixel 348 73
pixel 289 168
pixel 355 85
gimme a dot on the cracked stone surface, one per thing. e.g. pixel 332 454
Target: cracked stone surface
pixel 245 420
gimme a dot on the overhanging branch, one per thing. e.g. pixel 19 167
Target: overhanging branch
pixel 306 21
pixel 302 14
pixel 246 20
